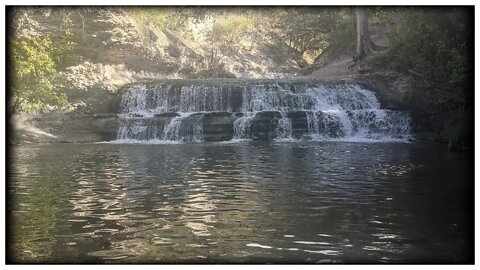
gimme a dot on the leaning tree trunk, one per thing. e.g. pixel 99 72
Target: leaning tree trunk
pixel 13 108
pixel 363 36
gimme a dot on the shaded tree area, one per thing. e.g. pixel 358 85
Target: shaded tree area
pixel 310 30
pixel 363 37
pixel 435 47
pixel 34 75
pixel 35 61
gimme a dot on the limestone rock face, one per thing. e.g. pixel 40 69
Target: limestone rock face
pixel 299 122
pixel 264 124
pixel 217 126
pixel 63 127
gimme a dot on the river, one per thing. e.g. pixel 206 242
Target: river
pixel 246 202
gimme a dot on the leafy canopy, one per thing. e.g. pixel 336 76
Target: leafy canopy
pixel 35 78
pixel 436 44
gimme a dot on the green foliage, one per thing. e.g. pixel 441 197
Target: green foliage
pixel 229 27
pixel 459 130
pixel 35 78
pixel 223 36
pixel 173 19
pixel 344 31
pixel 311 29
pixel 62 50
pixel 154 16
pixel 304 29
pixel 435 46
pixel 382 15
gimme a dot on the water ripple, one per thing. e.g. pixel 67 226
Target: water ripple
pixel 298 202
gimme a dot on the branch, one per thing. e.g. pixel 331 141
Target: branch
pixel 14 108
pixel 416 73
pixel 83 21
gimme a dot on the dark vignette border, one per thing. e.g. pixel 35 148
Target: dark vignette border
pixel 9 146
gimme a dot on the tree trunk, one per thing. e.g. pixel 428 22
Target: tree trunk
pixel 363 36
pixel 13 108
pixel 254 36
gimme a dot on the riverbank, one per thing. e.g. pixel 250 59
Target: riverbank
pixel 128 52
pixel 222 110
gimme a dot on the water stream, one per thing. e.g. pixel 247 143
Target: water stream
pixel 250 202
pixel 169 112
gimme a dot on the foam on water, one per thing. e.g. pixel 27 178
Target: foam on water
pixel 135 141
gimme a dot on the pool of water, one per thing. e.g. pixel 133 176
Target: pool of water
pixel 246 202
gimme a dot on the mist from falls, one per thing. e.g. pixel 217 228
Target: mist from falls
pixel 172 112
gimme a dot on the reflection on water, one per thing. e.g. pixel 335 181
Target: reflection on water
pixel 246 202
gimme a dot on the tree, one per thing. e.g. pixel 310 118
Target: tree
pixel 222 38
pixel 435 47
pixel 365 45
pixel 34 77
pixel 308 29
pixel 363 37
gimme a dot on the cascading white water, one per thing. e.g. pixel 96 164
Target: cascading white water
pixel 138 99
pixel 172 129
pixel 174 112
pixel 312 123
pixel 241 126
pixel 284 127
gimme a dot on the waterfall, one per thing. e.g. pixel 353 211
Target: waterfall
pixel 312 123
pixel 284 127
pixel 195 111
pixel 241 126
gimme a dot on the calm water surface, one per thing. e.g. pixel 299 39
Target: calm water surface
pixel 331 202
